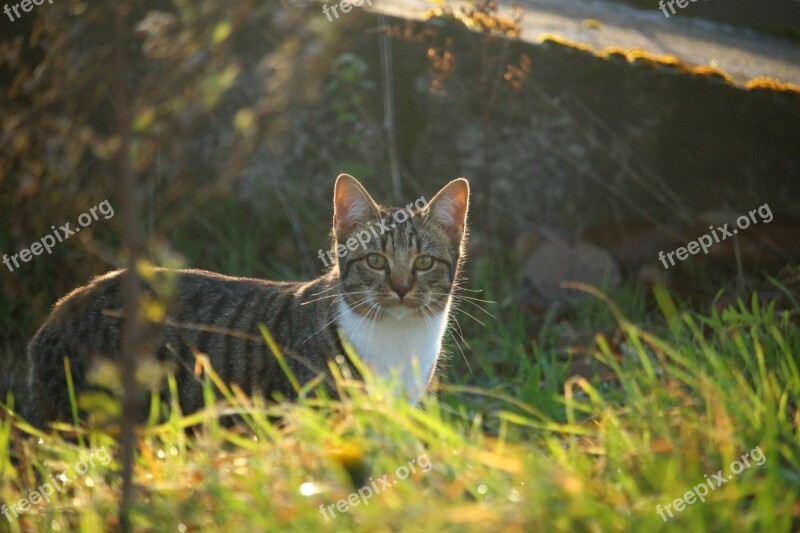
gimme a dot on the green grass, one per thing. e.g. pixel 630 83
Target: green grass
pixel 510 442
pixel 536 455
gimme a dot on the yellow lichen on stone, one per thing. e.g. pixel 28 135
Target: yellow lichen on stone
pixel 764 83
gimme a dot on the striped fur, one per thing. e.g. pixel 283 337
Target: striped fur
pixel 220 315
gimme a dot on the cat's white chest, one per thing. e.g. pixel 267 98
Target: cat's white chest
pixel 390 346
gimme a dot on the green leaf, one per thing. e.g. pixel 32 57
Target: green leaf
pixel 222 32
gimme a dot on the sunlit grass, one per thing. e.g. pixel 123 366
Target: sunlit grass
pixel 683 405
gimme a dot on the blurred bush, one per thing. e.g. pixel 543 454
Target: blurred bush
pixel 181 93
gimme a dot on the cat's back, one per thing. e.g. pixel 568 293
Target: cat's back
pixel 187 291
pixel 185 310
pixel 90 316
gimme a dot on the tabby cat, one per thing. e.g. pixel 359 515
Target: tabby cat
pixel 390 293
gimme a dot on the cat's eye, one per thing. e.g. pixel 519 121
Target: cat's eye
pixel 376 261
pixel 423 262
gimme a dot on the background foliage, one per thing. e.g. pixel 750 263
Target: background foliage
pixel 235 117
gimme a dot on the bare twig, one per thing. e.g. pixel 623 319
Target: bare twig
pixel 385 44
pixel 131 334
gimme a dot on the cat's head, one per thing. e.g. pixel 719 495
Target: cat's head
pixel 397 261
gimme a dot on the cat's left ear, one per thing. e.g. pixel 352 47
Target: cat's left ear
pixel 450 206
pixel 352 205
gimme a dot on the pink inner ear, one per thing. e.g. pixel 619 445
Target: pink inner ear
pixel 351 207
pixel 452 212
pixel 457 224
pixel 341 210
pixel 342 222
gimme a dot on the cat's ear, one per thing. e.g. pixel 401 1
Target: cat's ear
pixel 449 207
pixel 352 205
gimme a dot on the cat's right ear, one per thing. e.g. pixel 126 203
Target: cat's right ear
pixel 352 205
pixel 450 205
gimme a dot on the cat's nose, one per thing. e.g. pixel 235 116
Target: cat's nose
pixel 401 289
